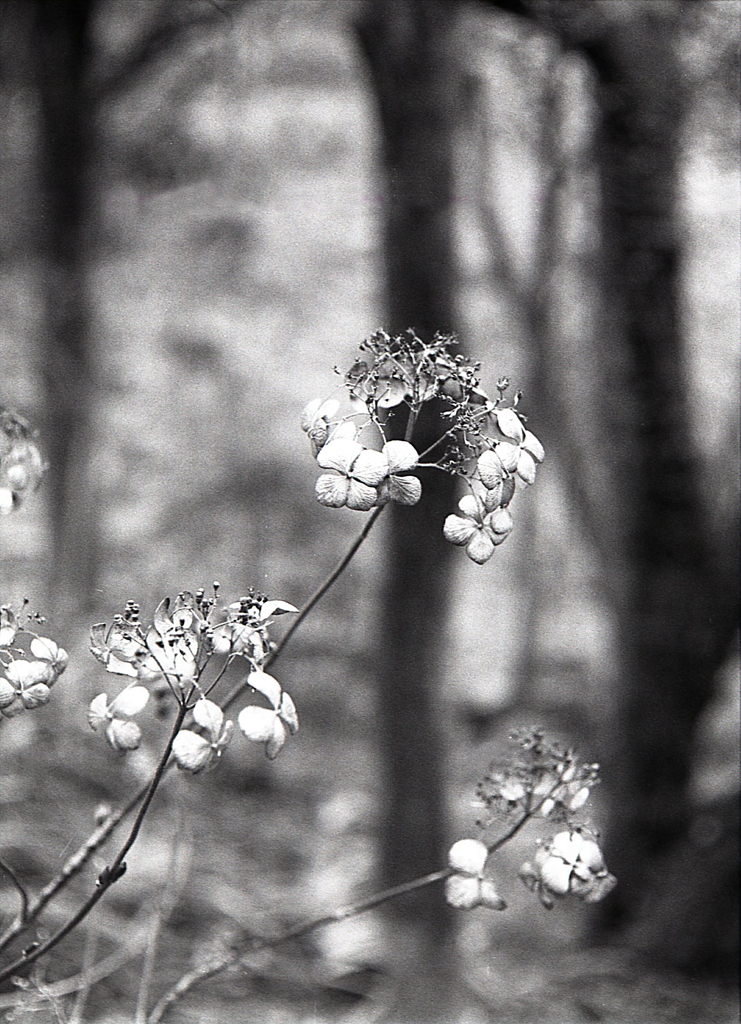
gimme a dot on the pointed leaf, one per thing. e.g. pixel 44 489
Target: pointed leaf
pixel 276 608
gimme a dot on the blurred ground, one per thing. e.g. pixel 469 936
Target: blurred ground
pixel 239 262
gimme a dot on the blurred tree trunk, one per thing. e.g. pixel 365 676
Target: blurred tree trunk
pixel 409 47
pixel 677 603
pixel 61 59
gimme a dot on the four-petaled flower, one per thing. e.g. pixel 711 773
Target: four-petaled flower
pixel 272 725
pixel 521 450
pixel 569 864
pixel 357 473
pixel 27 686
pixel 121 733
pixel 194 753
pixel 480 531
pixel 467 887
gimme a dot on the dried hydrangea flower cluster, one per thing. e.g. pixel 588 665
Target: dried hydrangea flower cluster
pixel 31 664
pixel 185 651
pixel 544 780
pixel 21 464
pixel 484 442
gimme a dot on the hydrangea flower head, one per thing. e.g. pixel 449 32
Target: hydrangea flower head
pixel 481 532
pixel 569 864
pixel 467 887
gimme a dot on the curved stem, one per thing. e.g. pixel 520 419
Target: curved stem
pixel 9 871
pixel 313 600
pixel 213 968
pixel 114 871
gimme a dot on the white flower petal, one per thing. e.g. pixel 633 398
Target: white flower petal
pixel 458 530
pixel 267 685
pixel 391 392
pixel 500 521
pixel 344 431
pixel 470 506
pixel 97 712
pixel 209 716
pixel 130 701
pixel 489 896
pixel 556 875
pixel 401 456
pixel 591 855
pixel 360 497
pixel 332 490
pixel 192 752
pixel 276 608
pixel 120 668
pixel 526 467
pixel 463 892
pixel 567 845
pixel 370 467
pixel 509 455
pixel 480 548
pixel 7 694
pixel 407 490
pixel 511 425
pixel 468 856
pixel 491 470
pixel 288 714
pixel 339 454
pixel 276 741
pixel 123 735
pixel 532 444
pixel 257 724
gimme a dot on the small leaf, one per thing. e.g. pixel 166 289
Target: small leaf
pixel 276 608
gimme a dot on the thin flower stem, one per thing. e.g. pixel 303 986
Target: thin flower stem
pixel 313 600
pixel 23 912
pixel 214 967
pixel 110 874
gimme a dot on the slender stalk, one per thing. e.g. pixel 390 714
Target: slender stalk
pixel 313 600
pixel 214 967
pixel 113 872
pixel 23 912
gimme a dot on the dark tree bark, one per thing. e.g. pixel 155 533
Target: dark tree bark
pixel 408 44
pixel 61 52
pixel 677 603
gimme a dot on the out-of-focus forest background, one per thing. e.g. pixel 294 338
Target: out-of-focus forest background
pixel 206 205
